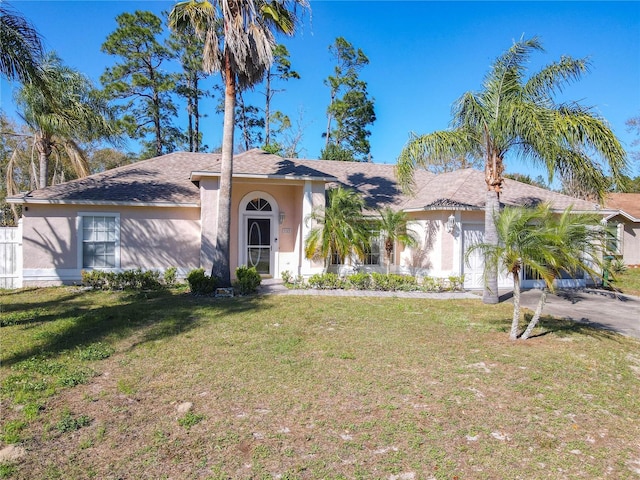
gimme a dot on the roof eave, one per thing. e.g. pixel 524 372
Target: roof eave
pixel 97 203
pixel 199 175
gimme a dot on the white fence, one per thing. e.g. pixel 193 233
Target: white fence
pixel 11 256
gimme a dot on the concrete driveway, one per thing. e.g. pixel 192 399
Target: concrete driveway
pixel 599 308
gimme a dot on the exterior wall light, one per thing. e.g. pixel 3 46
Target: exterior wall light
pixel 282 216
pixel 451 223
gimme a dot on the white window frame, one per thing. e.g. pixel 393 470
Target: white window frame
pixel 376 242
pixel 80 231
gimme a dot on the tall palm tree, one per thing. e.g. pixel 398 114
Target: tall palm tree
pixel 393 229
pixel 21 49
pixel 513 113
pixel 544 243
pixel 239 42
pixel 340 228
pixel 72 114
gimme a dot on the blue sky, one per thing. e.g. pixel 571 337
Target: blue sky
pixel 423 56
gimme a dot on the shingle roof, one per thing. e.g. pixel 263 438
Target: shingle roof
pixel 167 180
pixel 627 202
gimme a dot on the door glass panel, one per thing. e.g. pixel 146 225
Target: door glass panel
pixel 259 244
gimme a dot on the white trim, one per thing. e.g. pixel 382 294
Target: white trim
pixel 79 231
pixel 98 203
pixel 198 175
pixel 61 275
pixel 273 215
pixel 304 263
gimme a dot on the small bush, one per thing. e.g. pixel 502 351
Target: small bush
pixel 394 282
pixel 201 283
pixel 456 283
pixel 326 281
pixel 170 275
pixel 359 281
pixel 127 280
pixel 247 280
pixel 292 282
pixel 431 284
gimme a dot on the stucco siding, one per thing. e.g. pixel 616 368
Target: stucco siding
pixel 158 238
pixel 631 244
pixel 150 238
pixel 49 237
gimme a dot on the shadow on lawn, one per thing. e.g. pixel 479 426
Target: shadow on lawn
pixel 157 315
pixel 549 324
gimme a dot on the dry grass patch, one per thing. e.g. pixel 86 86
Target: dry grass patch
pixel 313 387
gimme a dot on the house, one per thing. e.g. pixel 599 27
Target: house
pixel 624 226
pixel 161 213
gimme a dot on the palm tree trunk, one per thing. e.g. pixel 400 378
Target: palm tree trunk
pixel 43 146
pixel 492 206
pixel 196 115
pixel 536 314
pixel 515 323
pixel 267 109
pixel 221 262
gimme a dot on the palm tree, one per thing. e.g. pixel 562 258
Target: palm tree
pixel 544 243
pixel 516 114
pixel 20 47
pixel 577 245
pixel 341 227
pixel 239 43
pixel 393 229
pixel 72 114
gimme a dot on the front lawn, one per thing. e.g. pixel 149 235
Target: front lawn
pixel 166 385
pixel 628 282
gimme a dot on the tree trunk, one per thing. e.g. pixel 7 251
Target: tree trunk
pixel 492 207
pixel 196 115
pixel 515 323
pixel 43 145
pixel 536 314
pixel 221 262
pixel 267 109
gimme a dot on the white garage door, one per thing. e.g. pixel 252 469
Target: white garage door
pixel 473 267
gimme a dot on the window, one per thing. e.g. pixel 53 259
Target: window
pixel 613 245
pixel 100 240
pixel 258 205
pixel 372 254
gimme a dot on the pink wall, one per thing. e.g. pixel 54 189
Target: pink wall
pixel 149 237
pixel 49 238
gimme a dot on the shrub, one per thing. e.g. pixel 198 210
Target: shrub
pixel 247 279
pixel 359 281
pixel 456 283
pixel 292 282
pixel 394 282
pixel 126 280
pixel 201 283
pixel 169 276
pixel 326 281
pixel 431 284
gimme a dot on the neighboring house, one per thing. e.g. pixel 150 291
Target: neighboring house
pixel 624 226
pixel 161 213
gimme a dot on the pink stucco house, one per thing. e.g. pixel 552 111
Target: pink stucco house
pixel 161 213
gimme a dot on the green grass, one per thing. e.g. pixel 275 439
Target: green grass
pixel 310 387
pixel 628 282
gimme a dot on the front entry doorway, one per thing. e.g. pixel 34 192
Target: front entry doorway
pixel 259 244
pixel 258 233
